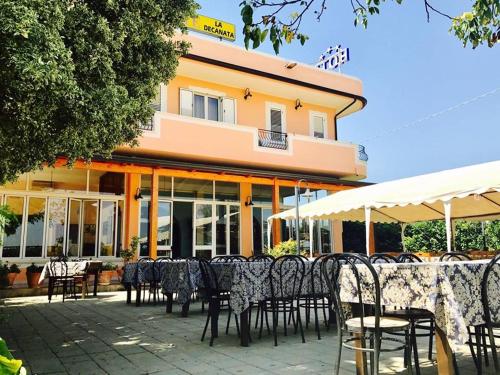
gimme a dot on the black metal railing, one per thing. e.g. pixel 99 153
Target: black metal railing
pixel 148 125
pixel 362 155
pixel 272 139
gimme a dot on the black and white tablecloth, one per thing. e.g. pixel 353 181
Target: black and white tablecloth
pixel 72 269
pixel 134 274
pixel 450 290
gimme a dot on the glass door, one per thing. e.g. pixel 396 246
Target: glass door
pixel 89 235
pixel 13 232
pixel 203 230
pixel 56 226
pixel 74 228
pixel 164 240
pixel 35 227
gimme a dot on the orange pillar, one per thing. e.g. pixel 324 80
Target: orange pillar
pixel 372 239
pixel 153 215
pixel 276 209
pixel 133 182
pixel 246 220
pixel 338 244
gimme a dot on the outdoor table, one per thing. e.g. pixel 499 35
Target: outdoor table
pixel 78 268
pixel 450 290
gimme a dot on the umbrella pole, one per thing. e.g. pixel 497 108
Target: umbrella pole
pixel 447 218
pixel 367 227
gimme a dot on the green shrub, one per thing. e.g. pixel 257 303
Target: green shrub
pixel 284 248
pixel 34 268
pixel 14 268
pixel 109 267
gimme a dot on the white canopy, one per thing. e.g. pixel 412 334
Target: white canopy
pixel 466 193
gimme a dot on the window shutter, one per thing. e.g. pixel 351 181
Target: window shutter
pixel 276 120
pixel 228 111
pixel 186 103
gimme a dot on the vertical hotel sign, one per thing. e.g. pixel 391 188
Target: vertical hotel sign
pixel 213 27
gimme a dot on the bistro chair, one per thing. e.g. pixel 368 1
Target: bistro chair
pixel 59 279
pixel 318 297
pixel 286 275
pixel 214 295
pixel 364 328
pixel 409 258
pixel 228 259
pixel 382 258
pixel 158 272
pixel 146 266
pixel 260 258
pixel 454 256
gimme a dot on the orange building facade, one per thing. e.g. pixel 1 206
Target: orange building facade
pixel 233 134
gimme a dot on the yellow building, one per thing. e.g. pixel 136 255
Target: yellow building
pixel 232 135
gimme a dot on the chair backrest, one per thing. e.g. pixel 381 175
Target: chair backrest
pixel 209 278
pixel 228 259
pixel 58 267
pixel 261 258
pixel 286 275
pixel 317 282
pixel 382 258
pixel 490 283
pixel 143 263
pixel 408 258
pixel 355 273
pixel 158 269
pixel 454 256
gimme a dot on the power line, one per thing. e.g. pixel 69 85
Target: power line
pixel 434 115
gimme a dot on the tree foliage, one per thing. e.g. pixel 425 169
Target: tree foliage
pixel 480 25
pixel 77 77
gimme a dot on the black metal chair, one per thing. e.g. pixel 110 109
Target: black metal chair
pixel 454 256
pixel 158 272
pixel 286 275
pixel 228 259
pixel 318 297
pixel 261 258
pixel 408 258
pixel 364 328
pixel 214 295
pixel 59 279
pixel 382 258
pixel 146 266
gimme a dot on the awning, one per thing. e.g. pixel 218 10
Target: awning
pixel 471 193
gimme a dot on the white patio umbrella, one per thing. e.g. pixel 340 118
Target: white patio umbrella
pixel 471 193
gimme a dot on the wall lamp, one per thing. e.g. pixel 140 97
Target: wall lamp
pixel 290 65
pixel 249 201
pixel 247 94
pixel 138 194
pixel 298 104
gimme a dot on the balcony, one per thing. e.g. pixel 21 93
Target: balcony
pixel 191 139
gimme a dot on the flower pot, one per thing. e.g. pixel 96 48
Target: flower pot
pixel 11 277
pixel 105 277
pixel 33 278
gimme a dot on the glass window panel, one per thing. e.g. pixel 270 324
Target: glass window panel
pixel 192 188
pixel 266 212
pixel 90 210
pixel 220 229
pixel 228 111
pixel 276 125
pixel 107 182
pixel 186 99
pixel 287 196
pixel 213 109
pixel 205 254
pixel 119 228
pixel 146 184
pixel 203 225
pixel 199 106
pixel 319 126
pixel 234 229
pixel 35 227
pixel 107 228
pixel 58 179
pixel 56 226
pixel 12 232
pixel 156 102
pixel 325 228
pixel 227 191
pixel 164 223
pixel 19 184
pixel 73 241
pixel 257 230
pixel 165 186
pixel 262 194
pixel 144 229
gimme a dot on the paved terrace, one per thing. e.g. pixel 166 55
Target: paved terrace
pixel 104 336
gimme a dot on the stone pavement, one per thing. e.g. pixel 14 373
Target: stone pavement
pixel 103 335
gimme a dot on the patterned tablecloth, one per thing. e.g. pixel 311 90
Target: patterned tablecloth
pixel 74 268
pixel 450 290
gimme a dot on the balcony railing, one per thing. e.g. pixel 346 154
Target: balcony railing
pixel 148 125
pixel 362 155
pixel 272 139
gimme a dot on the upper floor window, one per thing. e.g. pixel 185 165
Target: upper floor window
pixel 206 106
pixel 275 120
pixel 318 124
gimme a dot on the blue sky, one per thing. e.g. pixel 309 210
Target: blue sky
pixel 410 69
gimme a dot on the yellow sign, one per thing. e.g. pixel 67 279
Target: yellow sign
pixel 211 26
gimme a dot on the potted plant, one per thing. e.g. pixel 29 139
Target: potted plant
pixel 4 275
pixel 106 274
pixel 128 254
pixel 33 273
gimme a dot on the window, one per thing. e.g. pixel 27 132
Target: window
pixel 12 233
pixel 164 241
pixel 275 120
pixel 107 228
pixel 144 229
pixel 227 191
pixel 56 226
pixel 318 124
pixel 58 179
pixel 34 227
pixel 193 188
pixel 208 107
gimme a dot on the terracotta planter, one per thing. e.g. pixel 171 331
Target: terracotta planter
pixel 12 277
pixel 105 277
pixel 33 278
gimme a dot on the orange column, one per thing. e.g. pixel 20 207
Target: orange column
pixel 133 182
pixel 246 220
pixel 338 244
pixel 372 239
pixel 153 215
pixel 276 210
